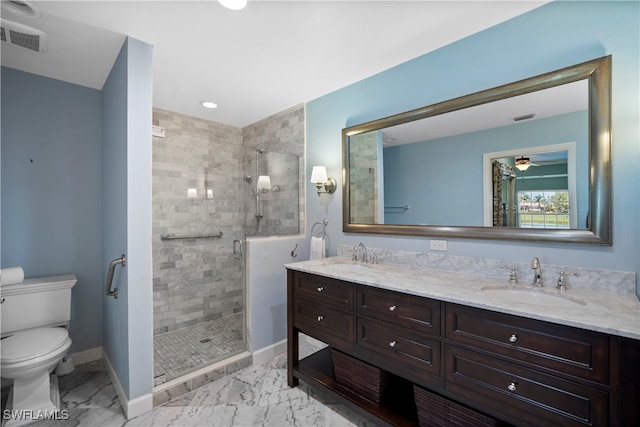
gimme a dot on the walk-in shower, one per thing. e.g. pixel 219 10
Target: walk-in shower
pixel 209 194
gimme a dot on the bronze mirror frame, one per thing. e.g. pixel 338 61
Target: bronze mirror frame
pixel 599 231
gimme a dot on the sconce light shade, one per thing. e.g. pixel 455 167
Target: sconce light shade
pixel 319 175
pixel 192 193
pixel 319 178
pixel 264 183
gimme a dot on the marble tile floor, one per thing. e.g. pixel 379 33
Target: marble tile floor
pixel 181 351
pixel 254 396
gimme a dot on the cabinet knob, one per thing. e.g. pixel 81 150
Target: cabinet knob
pixel 392 308
pixel 320 318
pixel 392 344
pixel 320 288
pixel 513 338
pixel 512 386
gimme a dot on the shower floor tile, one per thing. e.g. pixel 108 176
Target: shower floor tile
pixel 184 350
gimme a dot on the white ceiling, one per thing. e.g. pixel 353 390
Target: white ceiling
pixel 255 62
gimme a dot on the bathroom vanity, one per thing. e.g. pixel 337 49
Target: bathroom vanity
pixel 570 362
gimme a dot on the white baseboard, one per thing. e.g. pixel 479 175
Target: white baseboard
pixel 86 356
pixel 131 408
pixel 268 352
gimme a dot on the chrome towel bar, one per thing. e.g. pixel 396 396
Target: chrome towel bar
pixel 112 267
pixel 166 237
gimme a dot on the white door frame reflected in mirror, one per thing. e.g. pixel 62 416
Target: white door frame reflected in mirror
pixel 487 185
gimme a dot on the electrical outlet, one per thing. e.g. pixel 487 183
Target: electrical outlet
pixel 438 245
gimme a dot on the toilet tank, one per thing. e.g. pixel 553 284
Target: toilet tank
pixel 44 301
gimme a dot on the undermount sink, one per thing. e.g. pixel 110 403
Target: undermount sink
pixel 530 295
pixel 348 266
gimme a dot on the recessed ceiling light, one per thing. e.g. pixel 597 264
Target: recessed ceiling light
pixel 233 4
pixel 208 104
pixel 23 8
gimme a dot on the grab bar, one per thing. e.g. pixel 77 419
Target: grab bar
pixel 166 237
pixel 112 267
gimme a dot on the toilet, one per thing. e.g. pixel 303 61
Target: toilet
pixel 34 319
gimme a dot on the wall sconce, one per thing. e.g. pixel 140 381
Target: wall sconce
pixel 319 178
pixel 192 193
pixel 264 183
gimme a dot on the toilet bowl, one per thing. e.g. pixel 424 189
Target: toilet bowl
pixel 34 316
pixel 28 357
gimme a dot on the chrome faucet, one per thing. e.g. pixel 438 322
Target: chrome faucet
pixel 562 281
pixel 537 274
pixel 513 275
pixel 360 252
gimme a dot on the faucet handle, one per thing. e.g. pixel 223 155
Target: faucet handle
pixel 513 275
pixel 562 281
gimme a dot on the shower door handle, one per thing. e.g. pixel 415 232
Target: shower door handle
pixel 237 249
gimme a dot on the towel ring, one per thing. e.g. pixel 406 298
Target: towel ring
pixel 323 232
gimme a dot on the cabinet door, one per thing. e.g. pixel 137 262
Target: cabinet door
pixel 409 311
pixel 415 356
pixel 559 349
pixel 523 395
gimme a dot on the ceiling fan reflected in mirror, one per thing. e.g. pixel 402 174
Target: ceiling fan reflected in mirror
pixel 523 163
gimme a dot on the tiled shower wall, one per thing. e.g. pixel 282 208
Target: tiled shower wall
pixel 199 280
pixel 196 280
pixel 363 179
pixel 282 138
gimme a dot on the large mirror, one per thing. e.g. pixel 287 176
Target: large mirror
pixel 528 160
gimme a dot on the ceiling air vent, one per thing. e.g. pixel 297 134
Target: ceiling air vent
pixel 23 36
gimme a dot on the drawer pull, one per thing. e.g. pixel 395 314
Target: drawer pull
pixel 392 344
pixel 320 288
pixel 513 338
pixel 512 386
pixel 320 318
pixel 392 308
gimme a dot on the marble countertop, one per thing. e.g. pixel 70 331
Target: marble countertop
pixel 608 312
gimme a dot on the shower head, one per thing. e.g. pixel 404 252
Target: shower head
pixel 261 150
pixel 248 179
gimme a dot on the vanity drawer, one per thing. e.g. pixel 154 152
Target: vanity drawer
pixel 323 322
pixel 414 312
pixel 405 352
pixel 325 290
pixel 557 348
pixel 528 397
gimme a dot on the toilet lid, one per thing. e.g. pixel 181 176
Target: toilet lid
pixel 26 345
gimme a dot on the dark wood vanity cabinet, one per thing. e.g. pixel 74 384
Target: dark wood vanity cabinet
pixel 521 371
pixel 527 369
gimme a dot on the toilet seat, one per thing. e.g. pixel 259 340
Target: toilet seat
pixel 32 344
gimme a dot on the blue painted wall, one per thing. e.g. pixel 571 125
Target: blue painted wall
pixel 422 174
pixel 126 227
pixel 51 185
pixel 551 37
pixel 76 194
